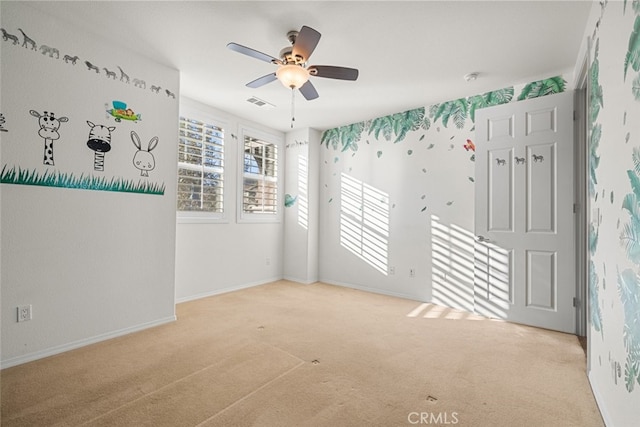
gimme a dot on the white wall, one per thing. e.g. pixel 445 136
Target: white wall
pixel 301 238
pixel 221 256
pixel 614 287
pixel 93 264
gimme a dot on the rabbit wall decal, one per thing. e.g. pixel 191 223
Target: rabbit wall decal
pixel 143 159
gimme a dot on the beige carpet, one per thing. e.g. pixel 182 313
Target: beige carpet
pixel 286 354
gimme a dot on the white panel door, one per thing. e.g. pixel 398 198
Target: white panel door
pixel 524 255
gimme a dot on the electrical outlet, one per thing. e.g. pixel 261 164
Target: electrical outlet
pixel 392 270
pixel 412 272
pixel 24 313
pixel 268 261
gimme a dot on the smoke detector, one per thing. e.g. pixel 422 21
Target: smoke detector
pixel 471 77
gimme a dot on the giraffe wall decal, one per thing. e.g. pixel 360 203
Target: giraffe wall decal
pixel 48 131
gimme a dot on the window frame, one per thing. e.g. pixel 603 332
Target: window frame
pixel 277 141
pixel 199 112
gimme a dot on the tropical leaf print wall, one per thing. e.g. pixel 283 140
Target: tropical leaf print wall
pixel 628 280
pixel 456 112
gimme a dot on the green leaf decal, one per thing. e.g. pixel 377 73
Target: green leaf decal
pixel 629 290
pixel 497 97
pixel 596 97
pixel 594 301
pixel 594 158
pixel 633 51
pixel 636 160
pixel 631 373
pixel 399 124
pixel 289 200
pixel 542 88
pixel 351 134
pixel 635 88
pixel 344 136
pixel 635 183
pixel 593 238
pixel 382 125
pixel 455 110
pixel 330 137
pixel 379 154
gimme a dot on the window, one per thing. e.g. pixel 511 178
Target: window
pixel 200 191
pixel 259 178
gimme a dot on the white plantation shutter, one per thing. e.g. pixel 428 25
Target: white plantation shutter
pixel 200 167
pixel 260 177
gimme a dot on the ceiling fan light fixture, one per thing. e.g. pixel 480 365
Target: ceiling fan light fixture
pixel 292 76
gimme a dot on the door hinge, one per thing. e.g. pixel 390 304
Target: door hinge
pixel 575 115
pixel 575 208
pixel 576 301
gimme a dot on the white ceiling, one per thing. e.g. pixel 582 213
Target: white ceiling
pixel 410 54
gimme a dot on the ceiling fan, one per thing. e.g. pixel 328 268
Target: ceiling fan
pixel 292 70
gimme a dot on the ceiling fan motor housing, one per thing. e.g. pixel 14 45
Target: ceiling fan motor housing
pixel 287 56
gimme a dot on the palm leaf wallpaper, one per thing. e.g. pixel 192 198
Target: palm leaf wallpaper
pixel 397 126
pixel 614 229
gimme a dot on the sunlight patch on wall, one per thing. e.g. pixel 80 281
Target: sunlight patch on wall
pixel 493 284
pixel 364 222
pixel 452 252
pixel 303 185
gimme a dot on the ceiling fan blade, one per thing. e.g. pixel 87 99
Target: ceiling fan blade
pixel 306 42
pixel 262 80
pixel 332 72
pixel 308 91
pixel 252 53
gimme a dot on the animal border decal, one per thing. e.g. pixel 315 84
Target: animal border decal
pixel 2 120
pixel 72 59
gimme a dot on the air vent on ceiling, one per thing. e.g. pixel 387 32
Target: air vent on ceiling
pixel 260 102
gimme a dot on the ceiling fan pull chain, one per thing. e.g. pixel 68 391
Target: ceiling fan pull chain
pixel 293 103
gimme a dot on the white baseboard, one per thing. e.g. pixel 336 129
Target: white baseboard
pixel 374 290
pixel 298 280
pixel 30 357
pixel 226 290
pixel 600 402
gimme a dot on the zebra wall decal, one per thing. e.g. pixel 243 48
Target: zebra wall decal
pixel 100 142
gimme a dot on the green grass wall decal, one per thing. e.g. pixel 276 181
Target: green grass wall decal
pixel 82 182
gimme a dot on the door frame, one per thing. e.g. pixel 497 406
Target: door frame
pixel 583 218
